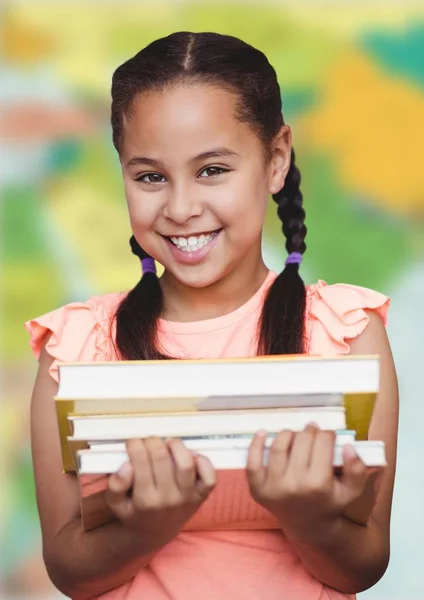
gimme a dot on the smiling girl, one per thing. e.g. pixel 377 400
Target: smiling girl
pixel 201 138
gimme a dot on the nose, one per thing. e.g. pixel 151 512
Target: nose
pixel 182 204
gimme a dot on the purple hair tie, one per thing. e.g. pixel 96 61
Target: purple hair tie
pixel 294 258
pixel 148 265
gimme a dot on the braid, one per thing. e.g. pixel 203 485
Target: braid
pixel 290 210
pixel 137 315
pixel 282 324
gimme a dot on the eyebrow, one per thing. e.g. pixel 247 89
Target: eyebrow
pixel 154 162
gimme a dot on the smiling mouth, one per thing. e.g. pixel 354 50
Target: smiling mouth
pixel 193 242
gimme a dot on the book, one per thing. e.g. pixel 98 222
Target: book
pixel 114 388
pixel 99 460
pixel 173 403
pixel 270 375
pixel 201 423
pixel 197 444
pixel 215 406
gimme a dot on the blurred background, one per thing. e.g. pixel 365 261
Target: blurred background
pixel 352 81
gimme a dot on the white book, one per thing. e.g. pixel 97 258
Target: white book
pixel 103 461
pixel 200 443
pixel 256 376
pixel 197 423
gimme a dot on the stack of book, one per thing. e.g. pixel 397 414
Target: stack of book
pixel 215 407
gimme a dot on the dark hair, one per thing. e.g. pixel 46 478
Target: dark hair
pixel 225 61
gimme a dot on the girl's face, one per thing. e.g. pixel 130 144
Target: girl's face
pixel 196 182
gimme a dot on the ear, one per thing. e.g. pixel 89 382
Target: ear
pixel 280 159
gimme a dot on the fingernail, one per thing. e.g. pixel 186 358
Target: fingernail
pixel 124 471
pixel 262 433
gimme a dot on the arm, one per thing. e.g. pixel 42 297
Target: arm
pixel 354 557
pixel 79 564
pixel 299 487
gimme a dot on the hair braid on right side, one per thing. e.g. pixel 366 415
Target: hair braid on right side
pixel 282 324
pixel 290 210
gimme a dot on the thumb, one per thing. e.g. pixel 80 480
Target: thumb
pixel 119 484
pixel 352 482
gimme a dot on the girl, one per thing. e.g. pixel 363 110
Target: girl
pixel 202 142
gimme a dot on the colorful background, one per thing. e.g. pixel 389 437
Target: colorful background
pixel 352 80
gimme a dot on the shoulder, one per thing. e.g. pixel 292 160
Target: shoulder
pixel 339 314
pixel 75 331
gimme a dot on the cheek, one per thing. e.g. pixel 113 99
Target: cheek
pixel 244 214
pixel 252 218
pixel 142 210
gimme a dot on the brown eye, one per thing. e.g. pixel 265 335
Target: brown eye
pixel 152 178
pixel 214 171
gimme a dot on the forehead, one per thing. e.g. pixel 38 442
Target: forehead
pixel 185 120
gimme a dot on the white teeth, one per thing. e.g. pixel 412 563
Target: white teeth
pixel 193 243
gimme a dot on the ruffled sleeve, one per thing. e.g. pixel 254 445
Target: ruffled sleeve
pixel 79 332
pixel 336 313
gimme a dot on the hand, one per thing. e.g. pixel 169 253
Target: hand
pixel 299 486
pixel 168 485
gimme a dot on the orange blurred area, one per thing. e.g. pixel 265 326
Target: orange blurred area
pixel 352 81
pixel 38 122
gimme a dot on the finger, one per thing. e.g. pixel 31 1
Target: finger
pixel 256 471
pixel 184 464
pixel 206 480
pixel 119 484
pixel 279 454
pixel 143 476
pixel 352 482
pixel 161 462
pixel 321 462
pixel 301 450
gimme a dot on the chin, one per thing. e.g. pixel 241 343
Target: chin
pixel 198 277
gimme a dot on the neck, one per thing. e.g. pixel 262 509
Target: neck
pixel 185 304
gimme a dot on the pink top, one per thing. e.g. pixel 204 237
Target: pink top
pixel 248 564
